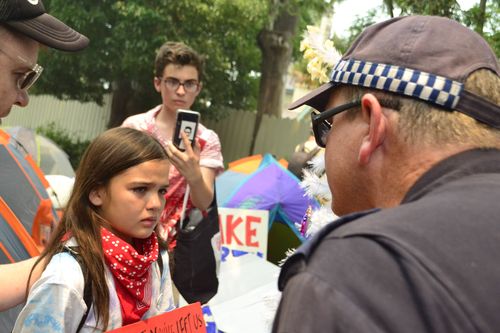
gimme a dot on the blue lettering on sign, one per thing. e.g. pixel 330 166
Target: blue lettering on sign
pixel 225 252
pixel 209 320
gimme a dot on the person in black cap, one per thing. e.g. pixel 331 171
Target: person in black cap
pixel 411 125
pixel 24 25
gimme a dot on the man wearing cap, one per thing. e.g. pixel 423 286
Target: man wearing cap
pixel 411 125
pixel 24 25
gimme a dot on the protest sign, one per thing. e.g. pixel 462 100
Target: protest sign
pixel 187 319
pixel 244 229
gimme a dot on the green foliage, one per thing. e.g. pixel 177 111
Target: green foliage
pixel 65 141
pixel 360 23
pixel 124 37
pixel 447 8
pixel 491 32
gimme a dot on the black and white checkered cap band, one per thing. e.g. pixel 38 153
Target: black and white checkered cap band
pixel 405 81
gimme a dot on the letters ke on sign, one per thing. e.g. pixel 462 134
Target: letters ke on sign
pixel 244 229
pixel 187 319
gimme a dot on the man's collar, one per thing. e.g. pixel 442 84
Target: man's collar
pixel 455 167
pixel 296 262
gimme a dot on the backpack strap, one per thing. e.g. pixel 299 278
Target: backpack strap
pixel 160 263
pixel 87 289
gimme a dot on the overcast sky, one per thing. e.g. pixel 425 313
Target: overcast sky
pixel 346 12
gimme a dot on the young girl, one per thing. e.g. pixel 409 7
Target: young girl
pixel 106 238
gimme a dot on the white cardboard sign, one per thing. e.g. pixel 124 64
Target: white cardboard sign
pixel 244 229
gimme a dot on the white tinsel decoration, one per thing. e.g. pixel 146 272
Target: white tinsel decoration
pixel 321 53
pixel 288 253
pixel 317 164
pixel 315 185
pixel 322 56
pixel 314 181
pixel 319 218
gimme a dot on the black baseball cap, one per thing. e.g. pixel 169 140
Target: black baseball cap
pixel 427 58
pixel 30 18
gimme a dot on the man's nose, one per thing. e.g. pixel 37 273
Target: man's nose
pixel 22 98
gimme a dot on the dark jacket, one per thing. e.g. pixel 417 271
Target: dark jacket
pixel 431 264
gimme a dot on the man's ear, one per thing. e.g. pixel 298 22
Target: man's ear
pixel 157 83
pixel 377 125
pixel 96 197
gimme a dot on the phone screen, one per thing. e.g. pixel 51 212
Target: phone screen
pixel 187 122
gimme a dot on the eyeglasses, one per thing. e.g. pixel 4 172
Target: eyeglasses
pixel 320 124
pixel 189 86
pixel 27 79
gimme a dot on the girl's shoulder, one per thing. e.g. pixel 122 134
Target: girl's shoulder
pixel 56 296
pixel 63 269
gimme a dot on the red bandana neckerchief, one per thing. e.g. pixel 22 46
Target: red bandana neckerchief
pixel 130 269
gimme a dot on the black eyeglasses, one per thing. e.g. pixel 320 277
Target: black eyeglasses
pixel 26 80
pixel 189 86
pixel 320 124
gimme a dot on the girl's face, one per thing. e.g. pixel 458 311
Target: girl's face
pixel 133 200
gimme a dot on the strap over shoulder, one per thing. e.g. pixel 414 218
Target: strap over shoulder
pixel 194 271
pixel 87 289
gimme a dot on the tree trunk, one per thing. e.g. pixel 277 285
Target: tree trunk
pixel 124 103
pixel 389 5
pixel 482 17
pixel 276 46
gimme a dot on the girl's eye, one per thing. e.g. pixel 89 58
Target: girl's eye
pixel 163 191
pixel 140 189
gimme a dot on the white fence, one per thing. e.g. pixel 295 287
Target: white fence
pixel 86 120
pixel 83 120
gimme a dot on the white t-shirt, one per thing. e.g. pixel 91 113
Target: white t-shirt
pixel 55 302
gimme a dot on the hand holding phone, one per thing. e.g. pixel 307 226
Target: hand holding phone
pixel 187 122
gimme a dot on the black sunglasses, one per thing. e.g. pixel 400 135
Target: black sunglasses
pixel 320 124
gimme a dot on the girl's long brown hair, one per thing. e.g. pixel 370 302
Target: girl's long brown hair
pixel 110 154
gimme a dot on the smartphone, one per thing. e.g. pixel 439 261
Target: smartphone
pixel 187 122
